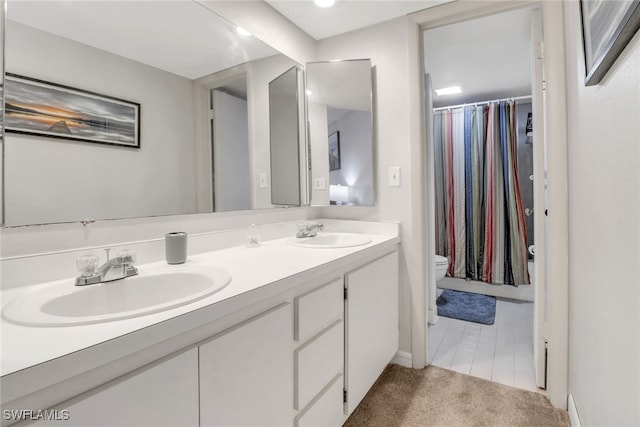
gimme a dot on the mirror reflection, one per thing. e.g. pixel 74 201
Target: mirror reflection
pixel 231 186
pixel 288 146
pixel 202 92
pixel 339 98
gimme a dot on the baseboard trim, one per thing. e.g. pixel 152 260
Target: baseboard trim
pixel 433 316
pixel 403 358
pixel 573 412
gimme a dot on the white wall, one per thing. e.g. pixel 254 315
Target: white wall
pixel 387 45
pixel 604 235
pixel 37 168
pixel 318 136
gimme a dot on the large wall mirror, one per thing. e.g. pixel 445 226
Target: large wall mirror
pixel 339 98
pixel 133 109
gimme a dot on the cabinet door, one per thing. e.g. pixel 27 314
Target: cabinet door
pixel 327 410
pixel 246 373
pixel 164 393
pixel 317 363
pixel 318 309
pixel 371 313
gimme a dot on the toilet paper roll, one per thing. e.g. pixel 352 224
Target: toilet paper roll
pixel 532 250
pixel 175 245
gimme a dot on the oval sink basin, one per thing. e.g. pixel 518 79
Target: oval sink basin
pixel 64 304
pixel 331 240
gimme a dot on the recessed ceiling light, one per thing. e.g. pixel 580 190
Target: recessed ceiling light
pixel 324 3
pixel 452 90
pixel 242 31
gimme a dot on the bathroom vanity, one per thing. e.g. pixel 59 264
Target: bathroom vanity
pixel 297 338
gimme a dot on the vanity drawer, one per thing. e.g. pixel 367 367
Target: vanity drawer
pixel 318 309
pixel 327 410
pixel 317 363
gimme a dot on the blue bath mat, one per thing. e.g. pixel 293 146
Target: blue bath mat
pixel 461 305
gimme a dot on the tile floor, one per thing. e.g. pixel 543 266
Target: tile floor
pixel 502 352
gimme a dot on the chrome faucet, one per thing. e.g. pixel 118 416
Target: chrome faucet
pixel 308 230
pixel 115 268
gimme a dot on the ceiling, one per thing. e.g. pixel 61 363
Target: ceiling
pixel 488 57
pixel 345 15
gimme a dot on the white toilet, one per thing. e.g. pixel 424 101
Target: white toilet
pixel 442 265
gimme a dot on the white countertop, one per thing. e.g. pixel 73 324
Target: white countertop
pixel 256 273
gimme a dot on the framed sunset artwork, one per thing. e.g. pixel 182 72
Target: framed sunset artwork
pixel 41 108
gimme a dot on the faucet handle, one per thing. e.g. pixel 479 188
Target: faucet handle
pixel 309 229
pixel 87 265
pixel 303 230
pixel 127 257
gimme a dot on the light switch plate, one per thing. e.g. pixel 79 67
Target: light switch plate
pixel 394 176
pixel 263 180
pixel 319 184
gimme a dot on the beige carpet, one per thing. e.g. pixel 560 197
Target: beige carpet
pixel 438 397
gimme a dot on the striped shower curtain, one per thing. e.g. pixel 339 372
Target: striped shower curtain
pixel 480 223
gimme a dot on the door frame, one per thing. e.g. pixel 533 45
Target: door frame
pixel 539 206
pixel 203 131
pixel 554 111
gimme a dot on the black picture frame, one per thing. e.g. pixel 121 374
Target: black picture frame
pixel 607 28
pixel 334 151
pixel 42 108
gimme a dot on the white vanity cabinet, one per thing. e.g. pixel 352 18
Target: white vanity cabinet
pixel 319 355
pixel 303 356
pixel 246 373
pixel 371 316
pixel 355 320
pixel 163 393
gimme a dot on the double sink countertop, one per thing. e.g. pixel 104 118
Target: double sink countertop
pixel 257 273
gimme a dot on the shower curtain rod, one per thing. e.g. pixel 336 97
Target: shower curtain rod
pixel 513 98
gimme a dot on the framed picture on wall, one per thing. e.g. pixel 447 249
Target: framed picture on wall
pixel 334 151
pixel 607 27
pixel 37 107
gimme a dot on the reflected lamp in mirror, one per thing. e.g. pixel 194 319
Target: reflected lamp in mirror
pixel 340 194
